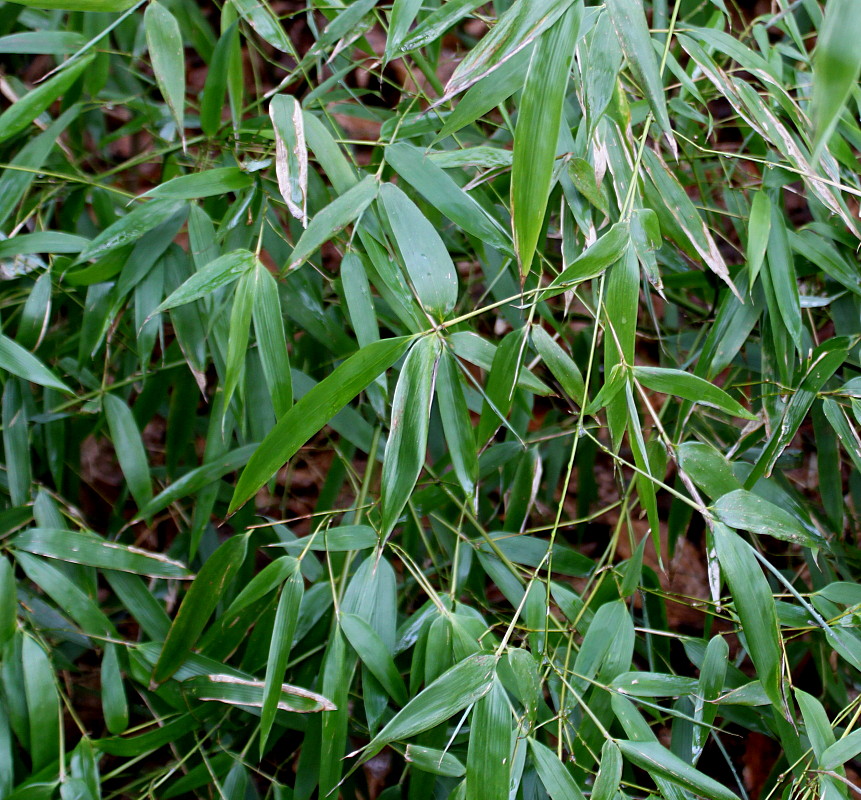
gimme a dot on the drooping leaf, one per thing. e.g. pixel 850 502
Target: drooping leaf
pixel 405 448
pixel 164 40
pixel 537 132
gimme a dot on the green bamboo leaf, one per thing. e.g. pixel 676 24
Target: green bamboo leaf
pixel 436 24
pixel 164 41
pixel 689 387
pixel 343 210
pixel 93 551
pixel 272 339
pixel 129 448
pixel 144 743
pixel 55 43
pixel 556 779
pixel 456 422
pixel 712 675
pixel 456 689
pixel 707 468
pixel 291 154
pixel 653 684
pixel 825 360
pixel 196 479
pixel 259 16
pixel 16 443
pixel 515 30
pixel 8 601
pixel 359 301
pixel 846 433
pixel 843 750
pixel 43 705
pixel 657 760
pixel 422 251
pixel 15 360
pixel 407 443
pixel 437 762
pixel 238 333
pixel 629 20
pixel 313 411
pixel 215 86
pixel 335 540
pixel 758 230
pixel 67 595
pixel 431 181
pixel 22 112
pixel 782 281
pixel 750 512
pixel 346 24
pixel 36 313
pixel 501 380
pixel 115 707
pixel 754 605
pixel 209 183
pixel 24 166
pixel 128 229
pixel 286 617
pixel 221 272
pixel 473 348
pixel 402 15
pixel 374 655
pixel 137 599
pixel 42 242
pixel 816 722
pixel 609 774
pixel 200 601
pixel 487 93
pixel 537 132
pixel 488 760
pixel 600 255
pixel 836 67
pixel 560 364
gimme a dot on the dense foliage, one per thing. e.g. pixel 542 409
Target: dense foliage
pixel 442 399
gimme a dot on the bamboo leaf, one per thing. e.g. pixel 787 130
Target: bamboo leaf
pixel 656 759
pixel 632 30
pixel 750 512
pixel 313 411
pixel 374 655
pixel 342 211
pixel 488 761
pixel 221 272
pixel 22 112
pixel 556 779
pixel 209 183
pixel 537 132
pixel 457 688
pixel 407 443
pixel 15 360
pixel 129 448
pixel 94 551
pixel 836 67
pixel 689 387
pixel 755 608
pixel 164 40
pixel 198 604
pixel 423 253
pixel 286 617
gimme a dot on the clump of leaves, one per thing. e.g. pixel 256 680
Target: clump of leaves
pixel 442 399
